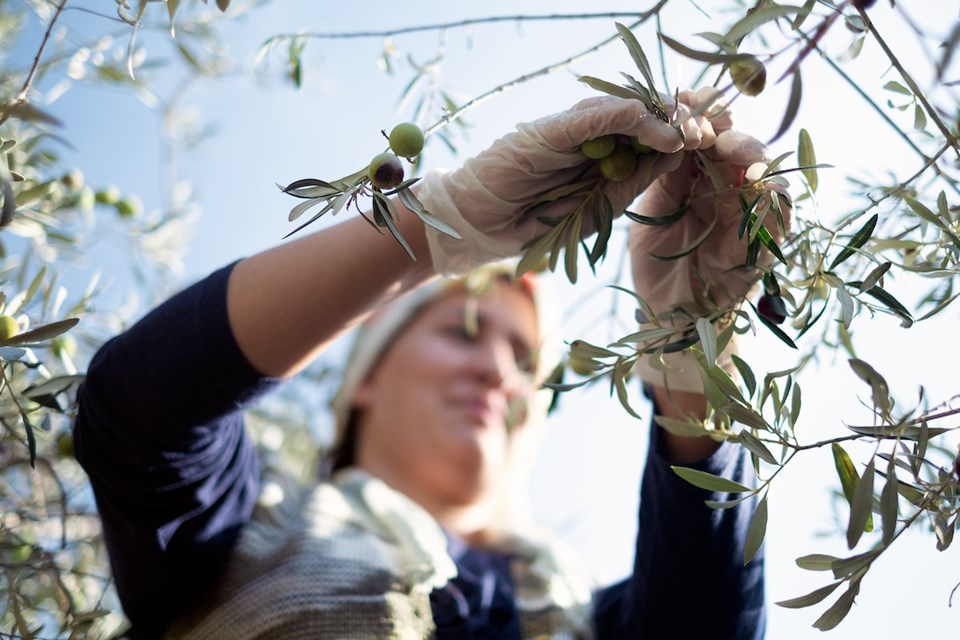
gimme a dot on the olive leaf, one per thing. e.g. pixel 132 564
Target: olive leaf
pixel 817 562
pixel 889 502
pixel 777 331
pixel 812 598
pixel 793 105
pixel 807 157
pixel 610 88
pixel 708 481
pixel 859 239
pixel 703 56
pixel 41 333
pixel 755 531
pixel 861 506
pixel 849 479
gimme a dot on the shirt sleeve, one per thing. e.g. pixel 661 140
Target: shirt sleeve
pixel 689 580
pixel 160 433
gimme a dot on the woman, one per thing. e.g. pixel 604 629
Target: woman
pixel 409 537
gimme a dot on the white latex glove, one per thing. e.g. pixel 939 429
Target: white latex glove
pixel 484 200
pixel 714 276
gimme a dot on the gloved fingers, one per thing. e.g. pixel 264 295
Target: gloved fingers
pixel 690 125
pixel 604 115
pixel 740 148
pixel 718 113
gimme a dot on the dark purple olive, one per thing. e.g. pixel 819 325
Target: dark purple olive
pixel 386 171
pixel 772 308
pixel 863 4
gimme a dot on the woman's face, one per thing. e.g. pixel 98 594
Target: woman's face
pixel 434 415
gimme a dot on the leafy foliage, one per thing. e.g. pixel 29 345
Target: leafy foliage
pixel 903 236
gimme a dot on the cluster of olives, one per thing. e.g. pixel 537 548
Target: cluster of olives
pixel 616 155
pixel 386 169
pixel 85 198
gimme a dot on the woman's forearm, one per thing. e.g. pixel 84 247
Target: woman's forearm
pixel 288 303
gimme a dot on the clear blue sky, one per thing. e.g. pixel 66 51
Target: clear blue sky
pixel 269 133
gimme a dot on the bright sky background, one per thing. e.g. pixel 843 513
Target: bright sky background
pixel 586 484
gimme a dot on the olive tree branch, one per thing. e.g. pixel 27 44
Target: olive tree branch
pixel 387 33
pixel 951 139
pixel 898 189
pixel 25 90
pixel 453 115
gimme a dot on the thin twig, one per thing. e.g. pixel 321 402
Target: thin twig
pixel 951 140
pixel 453 115
pixel 25 90
pixel 899 189
pixel 340 35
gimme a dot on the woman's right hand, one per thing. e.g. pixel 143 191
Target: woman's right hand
pixel 485 199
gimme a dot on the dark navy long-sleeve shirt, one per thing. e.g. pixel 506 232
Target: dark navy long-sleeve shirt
pixel 161 435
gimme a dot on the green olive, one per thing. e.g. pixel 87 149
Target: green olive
pixel 639 147
pixel 9 327
pixel 620 164
pixel 749 75
pixel 406 139
pixel 598 148
pixel 129 207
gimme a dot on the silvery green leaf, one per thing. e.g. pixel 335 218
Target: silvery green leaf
pixel 754 19
pixel 303 207
pixel 878 384
pixel 619 375
pixel 756 446
pixel 12 354
pixel 858 239
pixel 686 428
pixel 709 481
pixel 836 613
pixel 919 118
pixel 708 340
pixel 639 58
pixel 384 214
pixel 793 104
pixel 410 201
pixel 745 416
pixel 728 504
pixel 802 14
pixel 647 335
pixel 874 277
pixel 925 213
pixel 9 199
pixel 756 531
pixel 807 157
pixel 572 247
pixel 812 598
pixel 817 562
pixel 52 386
pixel 609 88
pixel 583 349
pixel 861 506
pixel 849 566
pixel 41 333
pixel 889 502
pixel 943 531
pixel 711 57
pixel 746 373
pixel 846 305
